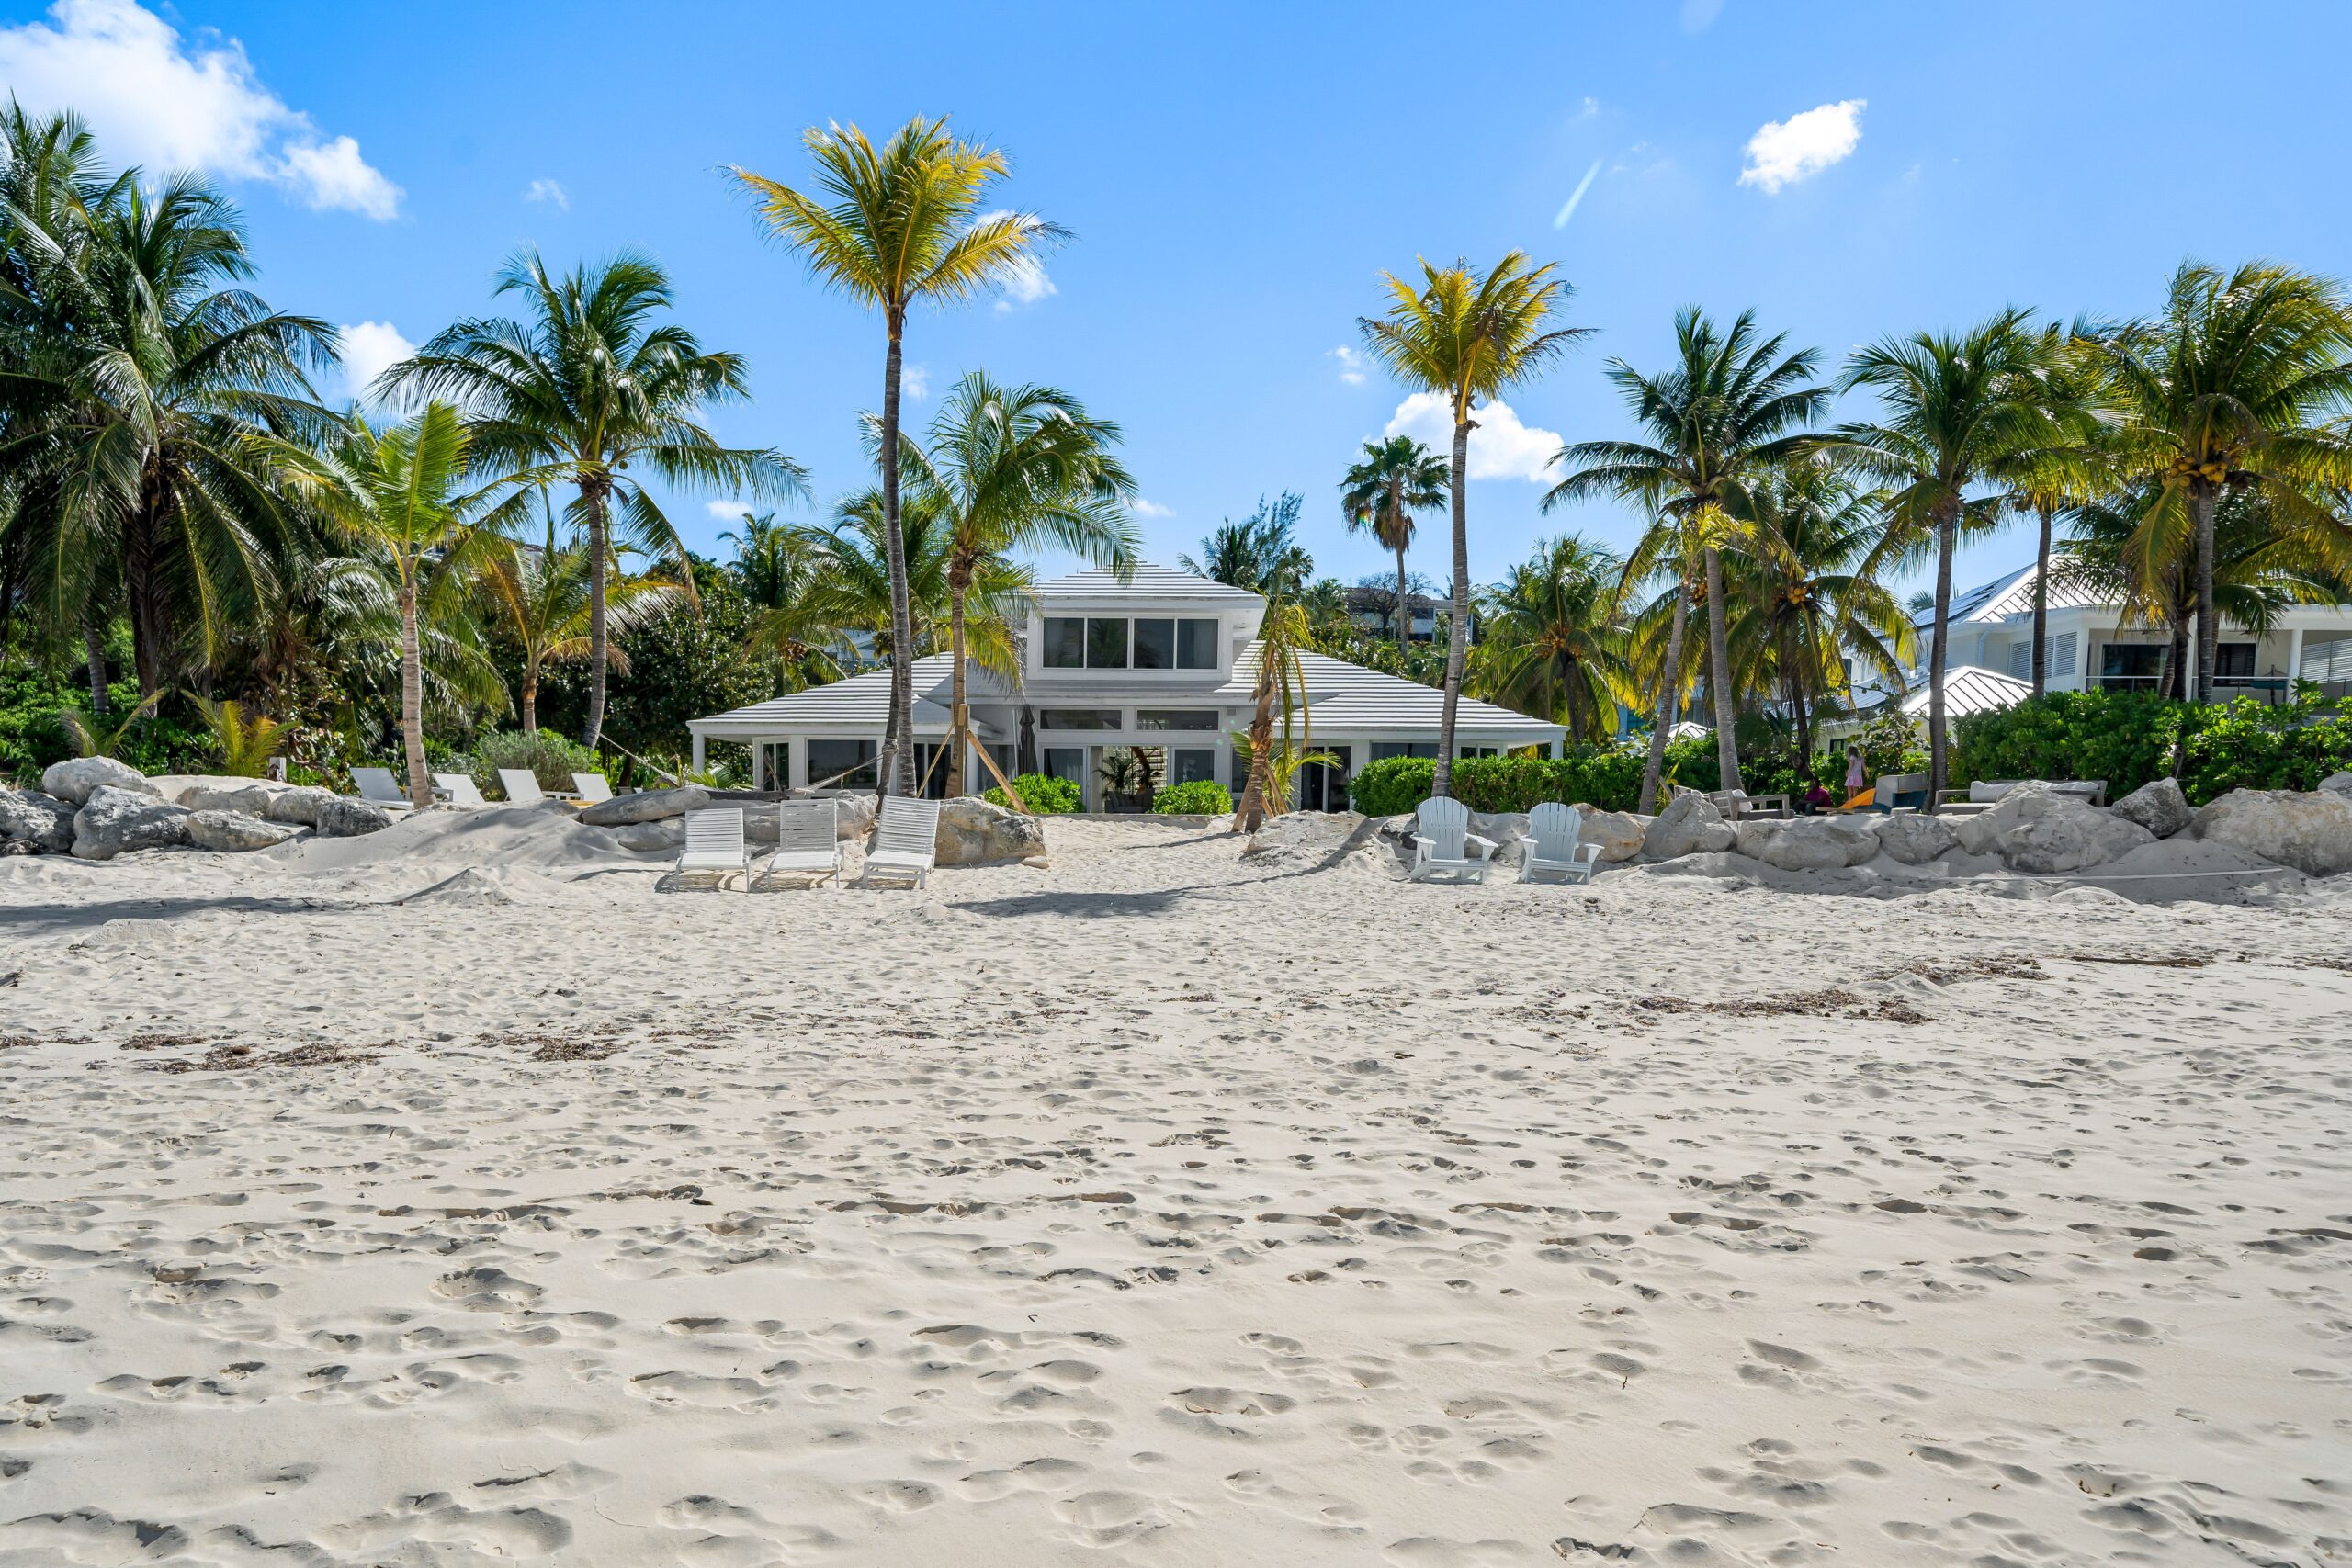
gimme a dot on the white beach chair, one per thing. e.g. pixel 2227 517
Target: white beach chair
pixel 378 787
pixel 1553 830
pixel 714 843
pixel 906 841
pixel 807 840
pixel 459 788
pixel 522 786
pixel 1445 841
pixel 590 788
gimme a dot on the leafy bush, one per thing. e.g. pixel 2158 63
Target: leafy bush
pixel 552 757
pixel 2130 738
pixel 1202 797
pixel 1042 792
pixel 1599 776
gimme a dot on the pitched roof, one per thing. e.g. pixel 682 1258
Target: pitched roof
pixel 1148 582
pixel 1970 688
pixel 1344 696
pixel 865 699
pixel 2006 597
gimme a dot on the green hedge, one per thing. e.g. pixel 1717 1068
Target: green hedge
pixel 1202 797
pixel 1042 792
pixel 2129 738
pixel 552 757
pixel 1592 775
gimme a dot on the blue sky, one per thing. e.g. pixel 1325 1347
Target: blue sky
pixel 1237 178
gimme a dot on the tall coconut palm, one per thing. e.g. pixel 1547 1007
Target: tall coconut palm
pixel 2230 389
pixel 1279 698
pixel 2047 481
pixel 1396 478
pixel 399 493
pixel 1554 642
pixel 890 226
pixel 1015 469
pixel 1660 631
pixel 1465 335
pixel 781 570
pixel 854 590
pixel 1729 408
pixel 1955 412
pixel 591 391
pixel 539 595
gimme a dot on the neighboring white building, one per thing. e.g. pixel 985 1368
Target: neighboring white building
pixel 1164 662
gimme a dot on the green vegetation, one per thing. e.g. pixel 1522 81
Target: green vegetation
pixel 1609 778
pixel 1043 794
pixel 1202 797
pixel 2131 737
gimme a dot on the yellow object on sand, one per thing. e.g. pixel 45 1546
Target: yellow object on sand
pixel 1860 800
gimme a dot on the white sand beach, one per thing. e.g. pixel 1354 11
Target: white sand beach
pixel 457 1196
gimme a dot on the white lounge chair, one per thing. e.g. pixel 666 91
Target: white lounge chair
pixel 1552 831
pixel 590 788
pixel 1445 841
pixel 378 787
pixel 522 786
pixel 459 788
pixel 906 841
pixel 714 843
pixel 807 840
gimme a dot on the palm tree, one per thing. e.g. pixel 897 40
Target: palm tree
pixel 1259 553
pixel 589 392
pixel 1729 409
pixel 1465 336
pixel 854 588
pixel 1809 590
pixel 2227 390
pixel 396 492
pixel 781 570
pixel 1956 413
pixel 1017 467
pixel 540 595
pixel 1398 477
pixel 888 227
pixel 1666 547
pixel 1554 644
pixel 1280 695
pixel 2046 481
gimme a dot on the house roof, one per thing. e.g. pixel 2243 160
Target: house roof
pixel 1150 581
pixel 1344 697
pixel 2006 597
pixel 862 701
pixel 1970 688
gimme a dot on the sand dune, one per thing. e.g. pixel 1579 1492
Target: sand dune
pixel 468 1198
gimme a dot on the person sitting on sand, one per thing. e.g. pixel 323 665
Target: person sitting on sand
pixel 1817 798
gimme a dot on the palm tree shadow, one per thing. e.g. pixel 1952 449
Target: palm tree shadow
pixel 44 920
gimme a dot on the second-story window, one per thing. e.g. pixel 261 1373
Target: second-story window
pixel 1065 644
pixel 1156 644
pixel 1106 643
pixel 1195 645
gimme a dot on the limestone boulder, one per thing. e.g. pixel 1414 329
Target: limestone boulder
pixel 1507 829
pixel 191 789
pixel 298 803
pixel 235 833
pixel 2037 830
pixel 2158 805
pixel 973 832
pixel 42 821
pixel 669 836
pixel 343 816
pixel 251 797
pixel 1620 834
pixel 1914 837
pixel 1807 843
pixel 116 822
pixel 2337 783
pixel 855 815
pixel 646 805
pixel 2311 832
pixel 1689 825
pixel 74 779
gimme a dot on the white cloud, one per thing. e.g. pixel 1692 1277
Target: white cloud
pixel 369 350
pixel 728 511
pixel 1500 447
pixel 1151 509
pixel 914 381
pixel 1353 364
pixel 1784 152
pixel 1025 284
pixel 1698 16
pixel 550 191
pixel 155 102
pixel 1588 108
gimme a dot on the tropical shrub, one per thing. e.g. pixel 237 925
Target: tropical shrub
pixel 244 740
pixel 2130 738
pixel 552 757
pixel 1600 776
pixel 1043 794
pixel 1202 797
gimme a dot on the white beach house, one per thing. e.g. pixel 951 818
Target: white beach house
pixel 1164 662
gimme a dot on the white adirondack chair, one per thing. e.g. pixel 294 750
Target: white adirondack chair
pixel 906 841
pixel 1445 842
pixel 378 787
pixel 714 843
pixel 1552 847
pixel 522 786
pixel 807 840
pixel 459 788
pixel 590 788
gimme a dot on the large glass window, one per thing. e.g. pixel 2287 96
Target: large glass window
pixel 1175 718
pixel 854 759
pixel 1067 762
pixel 1196 645
pixel 1155 644
pixel 1191 766
pixel 1106 644
pixel 1065 643
pixel 1384 748
pixel 2233 661
pixel 1078 718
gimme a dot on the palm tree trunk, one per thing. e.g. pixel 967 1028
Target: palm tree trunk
pixel 1719 672
pixel 2041 607
pixel 1939 648
pixel 894 547
pixel 2206 498
pixel 957 718
pixel 1801 710
pixel 2176 682
pixel 1252 810
pixel 1457 634
pixel 420 782
pixel 1404 616
pixel 94 649
pixel 1669 697
pixel 531 697
pixel 147 601
pixel 593 492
